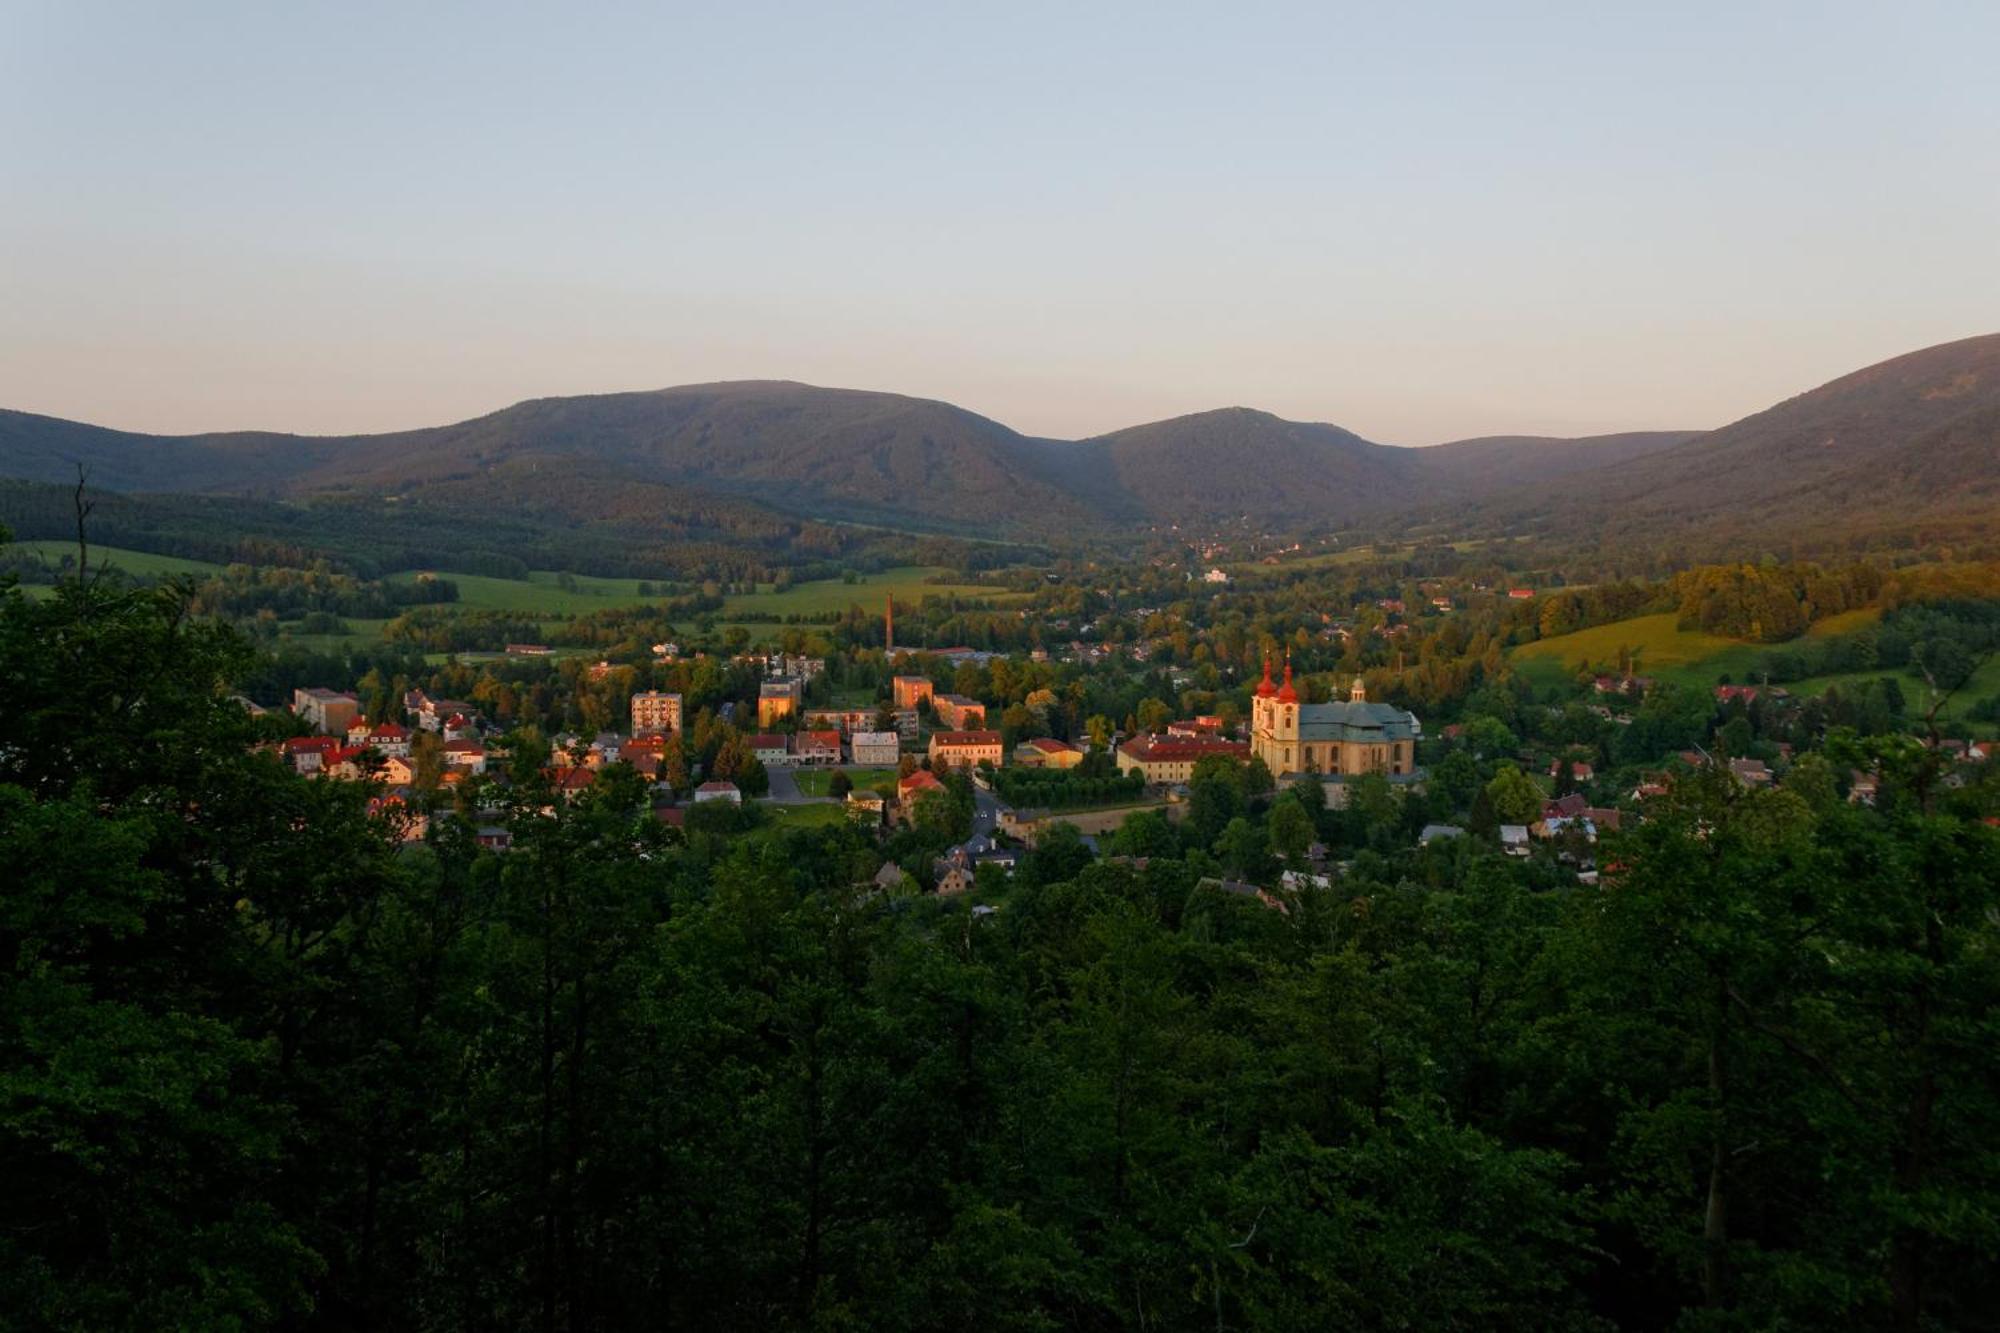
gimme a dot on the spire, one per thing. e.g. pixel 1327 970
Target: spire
pixel 1286 694
pixel 1265 689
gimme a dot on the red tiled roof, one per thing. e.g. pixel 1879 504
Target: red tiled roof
pixel 769 740
pixel 921 780
pixel 1157 749
pixel 826 739
pixel 965 738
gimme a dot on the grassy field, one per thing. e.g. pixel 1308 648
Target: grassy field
pixel 139 564
pixel 782 817
pixel 813 781
pixel 1658 649
pixel 1661 650
pixel 541 594
pixel 1690 657
pixel 905 582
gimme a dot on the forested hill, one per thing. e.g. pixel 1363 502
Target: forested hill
pixel 1893 447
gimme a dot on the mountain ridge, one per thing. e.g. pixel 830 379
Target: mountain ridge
pixel 1930 419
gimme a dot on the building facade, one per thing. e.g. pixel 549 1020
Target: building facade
pixel 1164 759
pixel 1333 740
pixel 958 713
pixel 910 691
pixel 778 699
pixel 878 749
pixel 965 749
pixel 655 710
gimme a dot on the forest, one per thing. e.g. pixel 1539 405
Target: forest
pixel 261 1067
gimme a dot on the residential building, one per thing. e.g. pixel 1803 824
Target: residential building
pixel 327 711
pixel 965 749
pixel 910 691
pixel 467 754
pixel 718 791
pixel 1164 759
pixel 778 699
pixel 846 721
pixel 308 754
pixel 1335 740
pixel 866 807
pixel 877 749
pixel 955 712
pixel 816 747
pixel 911 788
pixel 655 711
pixel 770 748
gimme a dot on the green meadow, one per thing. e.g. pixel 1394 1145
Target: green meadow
pixel 1660 649
pixel 139 564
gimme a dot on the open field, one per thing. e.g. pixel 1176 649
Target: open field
pixel 1657 648
pixel 1662 650
pixel 813 781
pixel 140 564
pixel 541 594
pixel 1692 658
pixel 905 582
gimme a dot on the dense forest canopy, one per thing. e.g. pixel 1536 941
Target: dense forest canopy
pixel 263 1066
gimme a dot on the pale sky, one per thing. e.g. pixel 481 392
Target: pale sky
pixel 1418 221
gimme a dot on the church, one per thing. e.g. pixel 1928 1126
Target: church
pixel 1335 740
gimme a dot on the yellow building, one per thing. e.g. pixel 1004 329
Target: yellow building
pixel 964 749
pixel 1047 753
pixel 1334 740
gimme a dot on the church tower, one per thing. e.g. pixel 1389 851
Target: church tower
pixel 1260 703
pixel 1359 693
pixel 1285 706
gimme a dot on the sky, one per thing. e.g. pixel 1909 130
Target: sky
pixel 1420 221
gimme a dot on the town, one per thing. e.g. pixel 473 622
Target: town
pixel 953 763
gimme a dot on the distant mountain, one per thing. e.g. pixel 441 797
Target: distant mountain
pixel 1237 462
pixel 1910 438
pixel 1910 433
pixel 1491 462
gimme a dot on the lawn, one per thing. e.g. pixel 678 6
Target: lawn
pixel 139 564
pixel 782 817
pixel 814 781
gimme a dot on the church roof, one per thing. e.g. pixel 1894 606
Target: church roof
pixel 1350 721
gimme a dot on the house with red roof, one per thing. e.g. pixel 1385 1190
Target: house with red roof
pixel 965 749
pixel 718 791
pixel 1164 759
pixel 816 747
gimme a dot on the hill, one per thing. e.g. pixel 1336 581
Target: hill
pixel 1238 462
pixel 1910 441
